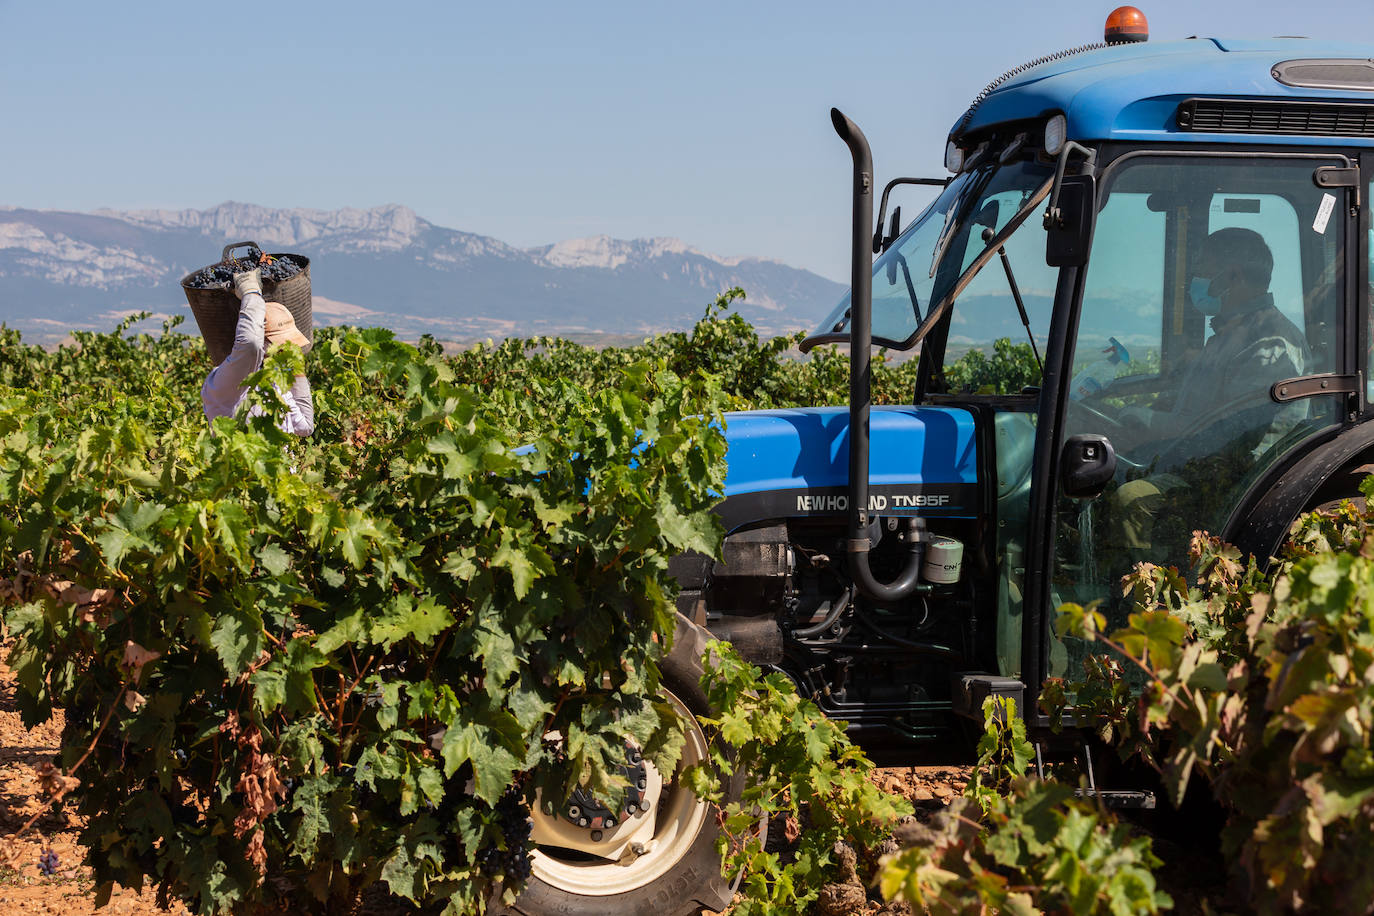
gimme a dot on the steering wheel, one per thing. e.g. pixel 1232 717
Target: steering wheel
pixel 1248 401
pixel 1112 422
pixel 1125 437
pixel 1170 449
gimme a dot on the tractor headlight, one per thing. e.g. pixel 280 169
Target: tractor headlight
pixel 1056 132
pixel 954 157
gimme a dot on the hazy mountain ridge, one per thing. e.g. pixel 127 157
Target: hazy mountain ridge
pixel 405 272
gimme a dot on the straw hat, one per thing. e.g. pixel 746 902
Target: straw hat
pixel 281 327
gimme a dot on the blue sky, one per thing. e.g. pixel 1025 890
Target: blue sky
pixel 531 122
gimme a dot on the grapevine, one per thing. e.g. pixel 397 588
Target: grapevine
pixel 270 625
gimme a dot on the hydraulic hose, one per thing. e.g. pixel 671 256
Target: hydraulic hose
pixel 831 616
pixel 860 347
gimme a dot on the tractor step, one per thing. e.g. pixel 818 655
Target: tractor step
pixel 1121 799
pixel 971 688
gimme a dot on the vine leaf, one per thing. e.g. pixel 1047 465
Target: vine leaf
pixel 237 639
pixel 407 619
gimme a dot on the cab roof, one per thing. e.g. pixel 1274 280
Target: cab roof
pixel 1133 91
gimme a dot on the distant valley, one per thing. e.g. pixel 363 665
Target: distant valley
pixel 384 266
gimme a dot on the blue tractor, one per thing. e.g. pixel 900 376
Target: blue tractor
pixel 1171 242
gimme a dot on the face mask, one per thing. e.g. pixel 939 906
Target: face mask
pixel 1203 300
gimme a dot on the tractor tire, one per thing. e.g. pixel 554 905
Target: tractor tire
pixel 1343 485
pixel 681 875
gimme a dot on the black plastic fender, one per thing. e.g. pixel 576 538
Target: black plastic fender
pixel 1328 471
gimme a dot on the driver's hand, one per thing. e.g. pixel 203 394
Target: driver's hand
pixel 1141 418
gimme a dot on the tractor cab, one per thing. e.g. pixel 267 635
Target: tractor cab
pixel 1140 305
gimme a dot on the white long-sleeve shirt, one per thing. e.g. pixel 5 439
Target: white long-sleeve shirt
pixel 224 392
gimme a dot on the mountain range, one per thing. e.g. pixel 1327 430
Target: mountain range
pixel 384 266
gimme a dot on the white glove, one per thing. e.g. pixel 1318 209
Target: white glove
pixel 250 281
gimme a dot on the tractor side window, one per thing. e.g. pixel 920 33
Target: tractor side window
pixel 988 350
pixel 1210 279
pixel 1120 340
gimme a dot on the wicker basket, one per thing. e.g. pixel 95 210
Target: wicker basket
pixel 217 310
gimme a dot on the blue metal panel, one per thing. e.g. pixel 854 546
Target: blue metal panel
pixel 1130 92
pixel 808 448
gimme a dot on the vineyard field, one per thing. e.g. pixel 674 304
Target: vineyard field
pixel 249 673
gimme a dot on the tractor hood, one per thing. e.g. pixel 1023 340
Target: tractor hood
pixel 787 463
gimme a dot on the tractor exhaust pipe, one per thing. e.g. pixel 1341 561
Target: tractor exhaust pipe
pixel 860 347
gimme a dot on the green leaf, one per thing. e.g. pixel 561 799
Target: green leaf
pixel 388 699
pixel 527 705
pixel 699 531
pixel 1076 620
pixel 490 746
pixel 237 638
pixel 356 536
pixel 456 463
pixel 127 530
pixel 231 527
pixel 1154 635
pixel 526 562
pixel 405 619
pixel 1208 676
pixel 736 728
pixel 288 680
pixel 496 648
pixel 351 629
pixel 310 801
pixel 273 559
pixel 402 874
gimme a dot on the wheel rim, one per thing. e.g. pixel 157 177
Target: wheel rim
pixel 677 819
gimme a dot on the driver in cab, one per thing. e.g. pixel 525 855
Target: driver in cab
pixel 1252 345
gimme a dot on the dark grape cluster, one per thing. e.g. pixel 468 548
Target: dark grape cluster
pixel 513 861
pixel 47 862
pixel 218 276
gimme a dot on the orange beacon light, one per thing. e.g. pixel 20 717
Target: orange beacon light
pixel 1125 24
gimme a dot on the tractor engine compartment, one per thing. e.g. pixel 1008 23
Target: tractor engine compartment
pixel 783 596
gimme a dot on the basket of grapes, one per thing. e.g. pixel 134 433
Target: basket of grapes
pixel 210 293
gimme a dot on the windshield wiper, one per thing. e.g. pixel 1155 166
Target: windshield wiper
pixel 910 287
pixel 958 210
pixel 1016 294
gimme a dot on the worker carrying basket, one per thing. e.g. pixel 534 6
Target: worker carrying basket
pixel 240 326
pixel 210 293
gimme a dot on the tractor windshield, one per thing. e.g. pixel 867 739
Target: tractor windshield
pixel 936 260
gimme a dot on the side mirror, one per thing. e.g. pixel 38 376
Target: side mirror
pixel 879 246
pixel 1086 464
pixel 893 228
pixel 1069 224
pixel 887 243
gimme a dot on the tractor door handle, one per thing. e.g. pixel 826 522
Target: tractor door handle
pixel 1086 464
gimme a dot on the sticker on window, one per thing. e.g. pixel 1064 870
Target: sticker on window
pixel 1324 213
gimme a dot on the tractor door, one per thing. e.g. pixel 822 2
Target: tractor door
pixel 1211 278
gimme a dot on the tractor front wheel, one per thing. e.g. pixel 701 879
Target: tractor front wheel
pixel 660 860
